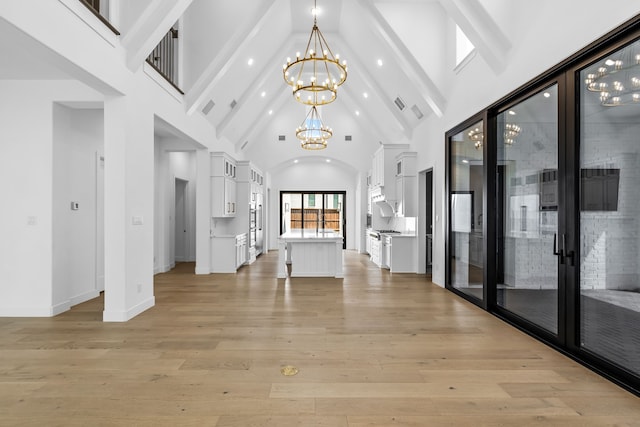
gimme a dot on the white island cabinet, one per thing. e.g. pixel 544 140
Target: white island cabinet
pixel 311 253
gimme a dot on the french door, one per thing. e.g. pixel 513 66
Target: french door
pixel 313 210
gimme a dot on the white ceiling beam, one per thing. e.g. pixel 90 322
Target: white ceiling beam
pixel 483 32
pixel 152 25
pixel 356 64
pixel 419 78
pixel 222 62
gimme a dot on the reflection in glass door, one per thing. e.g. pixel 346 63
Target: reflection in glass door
pixel 610 208
pixel 527 180
pixel 465 208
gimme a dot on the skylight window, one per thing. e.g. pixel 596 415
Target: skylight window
pixel 464 47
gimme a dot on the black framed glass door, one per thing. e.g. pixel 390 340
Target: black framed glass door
pixel 313 210
pixel 527 173
pixel 608 207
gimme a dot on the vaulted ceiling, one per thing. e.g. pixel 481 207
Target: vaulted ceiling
pixel 397 51
pixel 232 52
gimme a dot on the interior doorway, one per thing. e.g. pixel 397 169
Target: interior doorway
pixel 181 242
pixel 425 222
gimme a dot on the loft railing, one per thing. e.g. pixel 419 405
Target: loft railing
pixel 164 58
pixel 100 10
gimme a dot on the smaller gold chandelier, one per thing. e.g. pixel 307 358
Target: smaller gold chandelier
pixel 316 74
pixel 312 133
pixel 476 136
pixel 511 131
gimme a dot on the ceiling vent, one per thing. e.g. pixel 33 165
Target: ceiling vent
pixel 399 103
pixel 281 138
pixel 233 104
pixel 208 107
pixel 244 145
pixel 347 137
pixel 417 112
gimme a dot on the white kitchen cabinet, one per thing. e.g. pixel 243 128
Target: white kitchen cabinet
pixel 228 253
pixel 223 165
pixel 406 196
pixel 375 251
pixel 368 242
pixel 223 197
pixel 406 185
pixel 383 168
pixel 402 251
pixel 241 249
pixel 385 252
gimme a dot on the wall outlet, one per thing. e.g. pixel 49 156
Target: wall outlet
pixel 75 206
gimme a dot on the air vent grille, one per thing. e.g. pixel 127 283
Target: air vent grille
pixel 417 112
pixel 399 103
pixel 282 138
pixel 208 107
pixel 347 137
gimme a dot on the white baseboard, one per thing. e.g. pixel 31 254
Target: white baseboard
pixel 48 311
pixel 123 316
pixel 78 299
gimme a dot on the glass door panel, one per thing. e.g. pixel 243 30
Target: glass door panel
pixel 527 188
pixel 465 206
pixel 291 211
pixel 333 216
pixel 312 210
pixel 610 208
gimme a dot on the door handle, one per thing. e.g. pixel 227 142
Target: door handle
pixel 556 251
pixel 568 254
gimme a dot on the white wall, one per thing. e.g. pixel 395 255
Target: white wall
pixel 26 168
pixel 314 176
pixel 77 146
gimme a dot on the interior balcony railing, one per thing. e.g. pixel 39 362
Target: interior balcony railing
pixel 100 8
pixel 164 58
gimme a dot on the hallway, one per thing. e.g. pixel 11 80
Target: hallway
pixel 372 349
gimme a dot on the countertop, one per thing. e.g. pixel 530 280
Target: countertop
pixel 310 234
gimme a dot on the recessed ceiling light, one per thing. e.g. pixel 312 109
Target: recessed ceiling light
pixel 465 161
pixel 295 161
pixel 380 62
pixel 512 113
pixel 250 62
pixel 328 160
pixel 547 94
pixel 270 112
pixel 263 94
pixel 357 113
pixel 366 95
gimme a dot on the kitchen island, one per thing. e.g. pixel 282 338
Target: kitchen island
pixel 311 253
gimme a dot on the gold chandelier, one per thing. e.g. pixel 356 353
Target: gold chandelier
pixel 511 131
pixel 617 80
pixel 476 135
pixel 316 74
pixel 312 133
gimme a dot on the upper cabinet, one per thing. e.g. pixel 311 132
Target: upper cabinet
pixel 406 184
pixel 383 169
pixel 223 185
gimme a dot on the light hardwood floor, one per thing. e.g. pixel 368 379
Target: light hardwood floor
pixel 372 349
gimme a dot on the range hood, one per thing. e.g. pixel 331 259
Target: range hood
pixel 386 208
